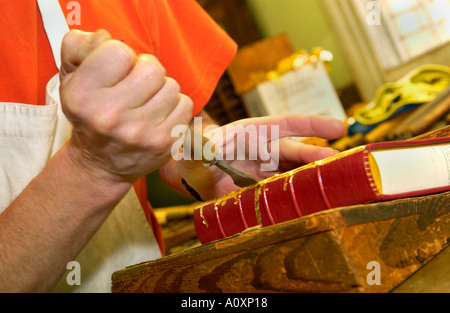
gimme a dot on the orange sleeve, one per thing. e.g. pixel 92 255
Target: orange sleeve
pixel 192 47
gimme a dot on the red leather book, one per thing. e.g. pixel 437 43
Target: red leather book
pixel 367 174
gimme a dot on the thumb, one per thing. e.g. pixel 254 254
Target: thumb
pixel 76 47
pixel 197 174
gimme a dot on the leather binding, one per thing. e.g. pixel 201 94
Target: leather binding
pixel 342 180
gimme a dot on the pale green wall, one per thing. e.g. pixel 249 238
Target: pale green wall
pixel 307 26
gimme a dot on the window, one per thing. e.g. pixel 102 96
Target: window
pixel 407 34
pixel 413 27
pixel 419 25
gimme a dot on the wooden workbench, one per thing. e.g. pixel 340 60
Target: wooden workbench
pixel 326 252
pixel 331 251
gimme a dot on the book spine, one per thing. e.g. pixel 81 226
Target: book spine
pixel 308 190
pixel 326 185
pixel 347 181
pixel 339 181
pixel 228 216
pixel 285 198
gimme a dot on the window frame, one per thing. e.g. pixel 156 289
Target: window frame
pixel 348 19
pixel 399 41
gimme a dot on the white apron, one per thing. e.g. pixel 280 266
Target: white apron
pixel 29 136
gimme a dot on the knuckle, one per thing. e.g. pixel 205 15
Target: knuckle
pixel 106 120
pixel 72 37
pixel 120 53
pixel 74 50
pixel 134 134
pixel 152 68
pixel 188 106
pixel 162 143
pixel 173 85
pixel 73 99
pixel 169 93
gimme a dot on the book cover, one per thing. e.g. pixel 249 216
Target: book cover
pixel 366 174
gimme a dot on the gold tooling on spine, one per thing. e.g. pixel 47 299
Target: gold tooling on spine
pixel 203 218
pixel 257 210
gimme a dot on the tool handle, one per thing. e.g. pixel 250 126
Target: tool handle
pixel 195 143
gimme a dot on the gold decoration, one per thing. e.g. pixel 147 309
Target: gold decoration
pixel 296 61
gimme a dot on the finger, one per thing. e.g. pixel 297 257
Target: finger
pixel 292 151
pixel 77 45
pixel 106 65
pixel 157 109
pixel 181 114
pixel 301 126
pixel 146 79
pixel 202 178
pixel 162 103
pixel 134 124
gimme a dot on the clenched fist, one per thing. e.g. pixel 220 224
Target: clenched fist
pixel 122 106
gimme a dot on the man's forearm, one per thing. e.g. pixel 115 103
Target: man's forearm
pixel 51 221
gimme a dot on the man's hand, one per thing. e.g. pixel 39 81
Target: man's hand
pixel 211 183
pixel 122 106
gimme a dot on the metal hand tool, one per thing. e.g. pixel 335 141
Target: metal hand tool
pixel 192 140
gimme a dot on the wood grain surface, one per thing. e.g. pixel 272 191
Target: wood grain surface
pixel 325 252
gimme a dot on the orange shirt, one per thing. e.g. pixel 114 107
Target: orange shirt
pixel 191 46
